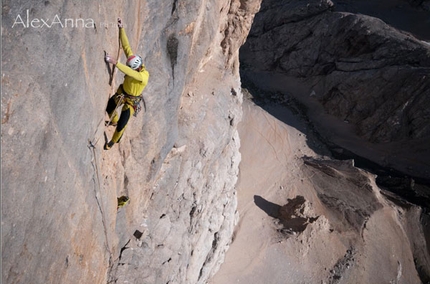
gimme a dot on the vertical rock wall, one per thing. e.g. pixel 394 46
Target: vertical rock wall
pixel 178 161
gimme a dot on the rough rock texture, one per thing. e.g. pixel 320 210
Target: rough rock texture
pixel 363 86
pixel 178 161
pixel 367 80
pixel 312 219
pixel 383 247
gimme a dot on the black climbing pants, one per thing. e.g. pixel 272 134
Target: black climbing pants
pixel 126 112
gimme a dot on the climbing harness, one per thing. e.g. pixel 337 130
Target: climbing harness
pixel 134 101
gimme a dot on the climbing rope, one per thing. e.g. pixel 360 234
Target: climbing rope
pixel 97 195
pixel 95 140
pixel 123 200
pixel 114 67
pixel 96 177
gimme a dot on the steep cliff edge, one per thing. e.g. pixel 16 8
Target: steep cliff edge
pixel 178 161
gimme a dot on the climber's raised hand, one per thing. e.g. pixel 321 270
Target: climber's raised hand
pixel 110 59
pixel 120 23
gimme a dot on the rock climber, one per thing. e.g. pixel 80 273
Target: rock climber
pixel 129 92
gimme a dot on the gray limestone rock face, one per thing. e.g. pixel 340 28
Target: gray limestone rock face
pixel 177 162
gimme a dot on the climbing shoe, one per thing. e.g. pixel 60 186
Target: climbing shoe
pixel 108 145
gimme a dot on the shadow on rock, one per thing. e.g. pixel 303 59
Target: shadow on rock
pixel 270 208
pixel 292 217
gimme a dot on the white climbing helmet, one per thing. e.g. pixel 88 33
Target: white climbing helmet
pixel 134 62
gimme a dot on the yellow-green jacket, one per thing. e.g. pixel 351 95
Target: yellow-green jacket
pixel 134 81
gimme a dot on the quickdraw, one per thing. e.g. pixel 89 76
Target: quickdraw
pixel 137 109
